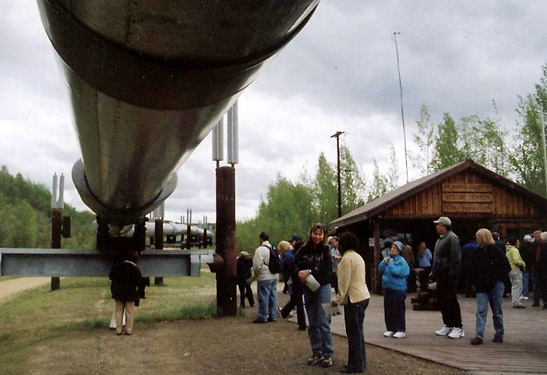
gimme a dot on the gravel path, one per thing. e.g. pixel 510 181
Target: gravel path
pixel 11 287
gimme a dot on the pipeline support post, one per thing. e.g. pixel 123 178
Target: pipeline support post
pixel 158 243
pixel 56 231
pixel 225 247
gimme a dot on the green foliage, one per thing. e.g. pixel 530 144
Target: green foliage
pixel 527 158
pixel 384 183
pixel 379 184
pixel 291 208
pixel 424 139
pixel 446 150
pixel 326 191
pixel 353 183
pixel 483 140
pixel 287 210
pixel 26 216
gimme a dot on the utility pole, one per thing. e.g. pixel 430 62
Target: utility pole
pixel 401 95
pixel 337 136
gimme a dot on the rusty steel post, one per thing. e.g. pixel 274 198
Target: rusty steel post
pixel 226 226
pixel 204 238
pixel 376 278
pixel 158 243
pixel 56 231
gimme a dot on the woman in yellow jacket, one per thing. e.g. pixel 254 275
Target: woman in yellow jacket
pixel 517 267
pixel 353 294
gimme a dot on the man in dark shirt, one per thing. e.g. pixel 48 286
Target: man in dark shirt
pixel 539 269
pixel 126 281
pixel 447 261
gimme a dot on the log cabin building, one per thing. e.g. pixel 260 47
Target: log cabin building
pixel 471 195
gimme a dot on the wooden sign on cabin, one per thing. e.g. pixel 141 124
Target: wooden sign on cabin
pixel 467 198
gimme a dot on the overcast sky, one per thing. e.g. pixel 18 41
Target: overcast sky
pixel 340 73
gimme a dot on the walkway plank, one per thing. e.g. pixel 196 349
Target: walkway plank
pixel 524 349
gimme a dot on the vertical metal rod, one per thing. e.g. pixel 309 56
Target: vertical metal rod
pixel 337 136
pixel 61 202
pixel 541 123
pixel 232 138
pixel 56 227
pixel 338 177
pixel 158 243
pixel 54 191
pixel 401 95
pixel 376 280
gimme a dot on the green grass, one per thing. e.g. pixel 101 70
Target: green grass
pixel 86 304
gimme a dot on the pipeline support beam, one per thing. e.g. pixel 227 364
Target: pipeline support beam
pixel 226 225
pixel 90 263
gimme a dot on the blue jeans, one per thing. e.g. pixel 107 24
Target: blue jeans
pixel 493 296
pixel 394 309
pixel 354 315
pixel 319 329
pixel 525 283
pixel 267 299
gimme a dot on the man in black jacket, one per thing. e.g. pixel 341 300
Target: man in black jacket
pixel 447 261
pixel 539 269
pixel 126 281
pixel 243 278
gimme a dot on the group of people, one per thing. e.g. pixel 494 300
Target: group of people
pixel 489 265
pixel 310 270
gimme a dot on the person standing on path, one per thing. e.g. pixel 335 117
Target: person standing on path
pixel 489 269
pixel 266 282
pixel 243 278
pixel 126 281
pixel 517 267
pixel 447 261
pixel 353 294
pixel 395 270
pixel 539 270
pixel 313 267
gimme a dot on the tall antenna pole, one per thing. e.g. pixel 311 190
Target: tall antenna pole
pixel 337 136
pixel 541 123
pixel 401 94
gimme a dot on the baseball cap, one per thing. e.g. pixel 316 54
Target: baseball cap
pixel 443 220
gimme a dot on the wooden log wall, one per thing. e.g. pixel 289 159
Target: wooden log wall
pixel 467 194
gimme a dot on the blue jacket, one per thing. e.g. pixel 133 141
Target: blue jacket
pixel 394 273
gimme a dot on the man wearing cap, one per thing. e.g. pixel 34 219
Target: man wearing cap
pixel 447 261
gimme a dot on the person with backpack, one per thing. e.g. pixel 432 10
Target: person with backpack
pixel 266 268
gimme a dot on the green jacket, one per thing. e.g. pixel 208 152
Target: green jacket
pixel 447 259
pixel 515 260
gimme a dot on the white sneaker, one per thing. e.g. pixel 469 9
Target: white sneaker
pixel 388 333
pixel 456 333
pixel 523 297
pixel 444 331
pixel 399 335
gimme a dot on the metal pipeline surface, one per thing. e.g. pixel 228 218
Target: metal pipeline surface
pixel 148 79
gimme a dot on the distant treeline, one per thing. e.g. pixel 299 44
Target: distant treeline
pixel 25 216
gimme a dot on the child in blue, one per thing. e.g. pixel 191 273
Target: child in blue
pixel 394 270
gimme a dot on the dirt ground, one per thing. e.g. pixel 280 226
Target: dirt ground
pixel 209 346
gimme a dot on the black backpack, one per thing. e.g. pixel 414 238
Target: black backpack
pixel 274 265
